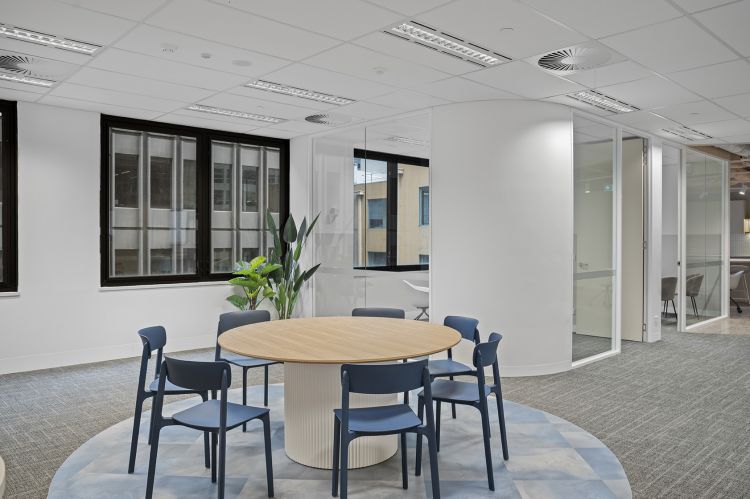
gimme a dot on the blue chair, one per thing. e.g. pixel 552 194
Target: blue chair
pixel 231 320
pixel 441 368
pixel 388 313
pixel 475 395
pixel 154 339
pixel 400 419
pixel 214 416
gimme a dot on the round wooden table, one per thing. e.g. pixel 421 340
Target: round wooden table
pixel 313 350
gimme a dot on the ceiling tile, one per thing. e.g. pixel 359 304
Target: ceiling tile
pixel 730 23
pixel 462 90
pixel 738 139
pixel 281 98
pixel 103 96
pixel 695 112
pixel 567 101
pixel 482 22
pixel 334 18
pixel 598 18
pixel 729 78
pixel 364 63
pixel 7 93
pixel 671 46
pixel 725 128
pixel 275 133
pixel 322 80
pixel 650 93
pixel 190 50
pixel 738 104
pixel 240 29
pixel 243 123
pixel 136 85
pixel 416 53
pixel 132 9
pixel 24 87
pixel 367 111
pixel 609 75
pixel 523 79
pixel 257 106
pixel 43 51
pixel 64 20
pixel 642 120
pixel 159 69
pixel 179 119
pixel 301 127
pixel 411 7
pixel 407 100
pixel 696 5
pixel 99 107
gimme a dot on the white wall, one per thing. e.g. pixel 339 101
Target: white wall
pixel 502 227
pixel 61 315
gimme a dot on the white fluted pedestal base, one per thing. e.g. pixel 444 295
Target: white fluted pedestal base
pixel 311 393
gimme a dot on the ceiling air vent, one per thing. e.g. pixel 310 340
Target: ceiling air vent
pixel 34 70
pixel 582 57
pixel 328 119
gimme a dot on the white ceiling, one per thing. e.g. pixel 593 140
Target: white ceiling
pixel 684 60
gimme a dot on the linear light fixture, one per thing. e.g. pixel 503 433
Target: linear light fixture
pixel 299 92
pixel 26 79
pixel 448 44
pixel 49 40
pixel 234 114
pixel 598 99
pixel 686 133
pixel 408 140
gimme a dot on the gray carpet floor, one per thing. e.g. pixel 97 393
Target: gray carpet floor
pixel 676 413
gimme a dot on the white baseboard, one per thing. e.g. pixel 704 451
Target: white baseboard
pixel 534 370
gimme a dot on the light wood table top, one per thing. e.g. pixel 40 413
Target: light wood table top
pixel 339 340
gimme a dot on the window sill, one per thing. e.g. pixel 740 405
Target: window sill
pixel 164 286
pixel 9 294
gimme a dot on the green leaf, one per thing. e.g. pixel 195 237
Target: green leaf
pixel 268 268
pixel 302 231
pixel 309 273
pixel 238 301
pixel 309 229
pixel 290 230
pixel 257 262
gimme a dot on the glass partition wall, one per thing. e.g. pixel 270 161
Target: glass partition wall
pixel 671 163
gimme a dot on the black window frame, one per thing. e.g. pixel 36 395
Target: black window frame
pixel 204 185
pixel 9 159
pixel 391 226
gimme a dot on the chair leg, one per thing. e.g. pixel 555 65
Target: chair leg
pixel 136 429
pixel 437 425
pixel 213 457
pixel 269 460
pixel 404 470
pixel 434 476
pixel 739 310
pixel 206 445
pixel 265 386
pixel 487 448
pixel 420 415
pixel 222 462
pixel 674 309
pixel 344 465
pixel 151 425
pixel 336 449
pixel 453 406
pixel 244 393
pixel 152 463
pixel 501 419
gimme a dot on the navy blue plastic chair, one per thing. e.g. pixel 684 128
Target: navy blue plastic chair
pixel 231 320
pixel 440 368
pixel 154 339
pixel 213 416
pixel 388 313
pixel 475 395
pixel 400 419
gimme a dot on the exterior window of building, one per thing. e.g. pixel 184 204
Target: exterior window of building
pixel 185 204
pixel 391 211
pixel 8 262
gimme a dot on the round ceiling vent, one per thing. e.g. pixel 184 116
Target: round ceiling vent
pixel 575 59
pixel 329 119
pixel 36 67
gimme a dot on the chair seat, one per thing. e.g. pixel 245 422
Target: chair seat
pixel 382 419
pixel 456 391
pixel 169 388
pixel 242 361
pixel 205 416
pixel 448 367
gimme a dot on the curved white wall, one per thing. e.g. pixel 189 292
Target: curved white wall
pixel 502 227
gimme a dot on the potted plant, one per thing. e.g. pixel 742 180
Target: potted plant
pixel 252 278
pixel 288 277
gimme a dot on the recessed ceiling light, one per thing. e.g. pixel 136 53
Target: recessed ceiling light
pixel 446 44
pixel 241 63
pixel 26 79
pixel 686 133
pixel 302 93
pixel 169 48
pixel 598 99
pixel 234 114
pixel 330 119
pixel 49 40
pixel 408 140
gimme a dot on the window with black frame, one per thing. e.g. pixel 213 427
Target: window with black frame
pixel 8 166
pixel 184 204
pixel 391 212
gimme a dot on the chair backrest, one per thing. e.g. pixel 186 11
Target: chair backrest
pixel 384 378
pixel 668 288
pixel 197 375
pixel 464 325
pixel 153 338
pixel 231 320
pixel 389 313
pixel 693 284
pixel 485 354
pixel 734 279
